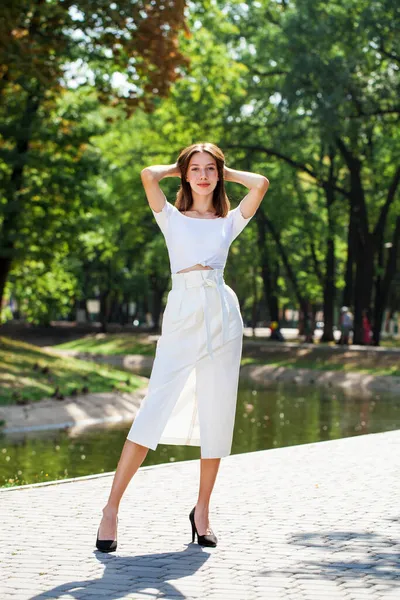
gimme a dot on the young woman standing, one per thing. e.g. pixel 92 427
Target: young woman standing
pixel 193 386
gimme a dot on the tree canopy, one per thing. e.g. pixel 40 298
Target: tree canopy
pixel 305 93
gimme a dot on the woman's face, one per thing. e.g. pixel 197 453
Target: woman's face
pixel 202 173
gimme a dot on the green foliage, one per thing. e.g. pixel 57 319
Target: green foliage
pixel 44 292
pixel 278 86
pixel 112 344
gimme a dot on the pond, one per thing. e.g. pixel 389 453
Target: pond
pixel 267 417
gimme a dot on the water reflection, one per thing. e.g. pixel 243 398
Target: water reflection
pixel 280 415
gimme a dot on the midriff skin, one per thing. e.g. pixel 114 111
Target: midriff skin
pixel 196 268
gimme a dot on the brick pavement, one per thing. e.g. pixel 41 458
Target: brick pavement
pixel 312 522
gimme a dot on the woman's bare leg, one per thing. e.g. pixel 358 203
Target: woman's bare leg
pixel 131 458
pixel 208 474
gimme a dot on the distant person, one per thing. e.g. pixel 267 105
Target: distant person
pixel 276 334
pixel 367 331
pixel 346 325
pixel 192 391
pixel 309 328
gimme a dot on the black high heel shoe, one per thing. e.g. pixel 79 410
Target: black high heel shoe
pixel 209 539
pixel 106 545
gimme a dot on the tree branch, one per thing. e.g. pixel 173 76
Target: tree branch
pixel 376 113
pixel 380 226
pixel 297 165
pixel 389 54
pixel 285 260
pixel 254 71
pixel 308 227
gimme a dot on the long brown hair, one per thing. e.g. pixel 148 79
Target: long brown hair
pixel 184 198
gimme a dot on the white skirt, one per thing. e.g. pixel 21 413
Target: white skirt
pixel 192 391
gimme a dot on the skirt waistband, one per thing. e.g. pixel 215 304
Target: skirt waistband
pixel 203 277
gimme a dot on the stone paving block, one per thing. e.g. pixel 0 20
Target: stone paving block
pixel 340 541
pixel 390 595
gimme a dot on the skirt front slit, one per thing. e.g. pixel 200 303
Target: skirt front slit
pixel 192 393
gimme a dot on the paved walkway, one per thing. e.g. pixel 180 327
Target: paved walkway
pixel 312 522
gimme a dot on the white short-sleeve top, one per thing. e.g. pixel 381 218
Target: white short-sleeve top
pixel 191 240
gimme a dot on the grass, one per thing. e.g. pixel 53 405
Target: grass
pixel 29 373
pixel 317 358
pixel 390 343
pixel 322 360
pixel 111 344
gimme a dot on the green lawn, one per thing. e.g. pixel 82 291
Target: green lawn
pixel 321 360
pixel 27 372
pixel 112 344
pixel 318 358
pixel 263 353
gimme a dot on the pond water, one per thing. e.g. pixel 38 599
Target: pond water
pixel 267 417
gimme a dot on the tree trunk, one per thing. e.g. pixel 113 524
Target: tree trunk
pixel 13 206
pixel 329 278
pixel 329 292
pixel 159 285
pixel 363 286
pixel 105 303
pixel 5 267
pixel 382 291
pixel 255 306
pixel 347 299
pixel 269 282
pixel 282 252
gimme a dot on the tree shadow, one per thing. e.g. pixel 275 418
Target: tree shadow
pixel 132 574
pixel 376 559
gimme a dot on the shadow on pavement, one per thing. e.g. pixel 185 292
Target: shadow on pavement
pixel 134 574
pixel 347 555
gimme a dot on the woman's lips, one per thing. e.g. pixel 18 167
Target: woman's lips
pixel 203 184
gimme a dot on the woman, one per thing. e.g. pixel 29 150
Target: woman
pixel 193 385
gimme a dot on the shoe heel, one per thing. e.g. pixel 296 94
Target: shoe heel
pixel 106 545
pixel 191 519
pixel 193 531
pixel 203 540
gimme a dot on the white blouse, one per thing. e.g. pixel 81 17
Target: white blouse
pixel 191 240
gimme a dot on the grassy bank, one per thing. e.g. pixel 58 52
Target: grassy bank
pixel 19 375
pixel 112 344
pixel 29 373
pixel 323 359
pixel 256 351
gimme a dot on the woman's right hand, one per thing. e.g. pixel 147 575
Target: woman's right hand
pixel 175 170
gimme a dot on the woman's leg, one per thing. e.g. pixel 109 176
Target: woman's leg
pixel 208 474
pixel 131 458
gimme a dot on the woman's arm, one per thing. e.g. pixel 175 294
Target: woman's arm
pixel 257 184
pixel 150 177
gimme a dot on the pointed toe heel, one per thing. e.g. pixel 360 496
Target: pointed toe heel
pixel 105 545
pixel 203 540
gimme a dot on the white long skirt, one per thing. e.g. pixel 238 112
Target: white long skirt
pixel 193 386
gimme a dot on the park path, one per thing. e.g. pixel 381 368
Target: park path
pixel 313 522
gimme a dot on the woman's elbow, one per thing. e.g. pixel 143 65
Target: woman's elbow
pixel 146 174
pixel 264 183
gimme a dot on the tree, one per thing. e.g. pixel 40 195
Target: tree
pixel 48 46
pixel 326 74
